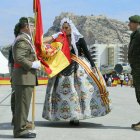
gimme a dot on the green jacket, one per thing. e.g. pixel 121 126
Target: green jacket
pixel 23 55
pixel 134 48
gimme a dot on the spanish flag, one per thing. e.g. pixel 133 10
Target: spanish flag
pixel 38 37
pixel 52 64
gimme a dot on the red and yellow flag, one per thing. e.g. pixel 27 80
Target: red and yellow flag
pixel 61 59
pixel 38 37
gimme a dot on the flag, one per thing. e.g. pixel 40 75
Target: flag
pixel 61 59
pixel 38 37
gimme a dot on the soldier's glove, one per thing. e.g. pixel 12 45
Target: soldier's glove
pixel 54 36
pixel 36 65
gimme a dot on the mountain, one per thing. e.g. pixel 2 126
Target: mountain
pixel 99 29
pixel 5 50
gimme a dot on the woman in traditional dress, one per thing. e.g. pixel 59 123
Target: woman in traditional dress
pixel 75 93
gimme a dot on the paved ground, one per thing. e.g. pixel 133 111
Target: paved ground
pixel 114 126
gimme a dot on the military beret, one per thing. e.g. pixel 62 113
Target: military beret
pixel 135 19
pixel 26 20
pixel 31 20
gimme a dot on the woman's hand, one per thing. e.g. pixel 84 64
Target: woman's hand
pixel 54 36
pixel 48 39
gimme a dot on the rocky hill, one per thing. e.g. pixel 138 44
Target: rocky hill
pixel 5 50
pixel 99 29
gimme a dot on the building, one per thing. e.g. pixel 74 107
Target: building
pixel 108 54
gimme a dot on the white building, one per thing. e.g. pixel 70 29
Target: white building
pixel 107 54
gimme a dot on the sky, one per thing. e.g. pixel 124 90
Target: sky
pixel 12 10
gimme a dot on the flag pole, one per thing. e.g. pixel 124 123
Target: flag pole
pixel 36 3
pixel 34 91
pixel 33 107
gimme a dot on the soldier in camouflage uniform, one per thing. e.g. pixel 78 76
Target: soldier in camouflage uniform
pixel 24 77
pixel 134 57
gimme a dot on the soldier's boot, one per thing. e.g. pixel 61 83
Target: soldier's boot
pixel 136 126
pixel 29 126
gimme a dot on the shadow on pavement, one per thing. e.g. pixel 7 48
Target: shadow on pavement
pixel 6 126
pixel 6 136
pixel 88 125
pixel 82 125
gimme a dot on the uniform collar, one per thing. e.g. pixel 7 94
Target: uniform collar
pixel 29 37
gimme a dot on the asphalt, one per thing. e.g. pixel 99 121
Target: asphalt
pixel 114 126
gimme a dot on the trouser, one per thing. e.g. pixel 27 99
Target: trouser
pixel 13 93
pixel 121 83
pixel 13 100
pixel 137 90
pixel 23 96
pixel 136 80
